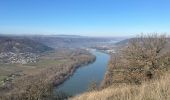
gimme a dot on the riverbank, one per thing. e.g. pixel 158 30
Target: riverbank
pixel 52 70
pixel 140 71
pixel 84 76
pixel 153 90
pixel 58 81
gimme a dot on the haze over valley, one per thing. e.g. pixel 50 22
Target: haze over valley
pixel 84 50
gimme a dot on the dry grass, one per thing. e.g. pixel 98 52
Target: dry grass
pixel 38 83
pixel 137 72
pixel 153 90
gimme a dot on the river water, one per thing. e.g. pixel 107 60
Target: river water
pixel 83 76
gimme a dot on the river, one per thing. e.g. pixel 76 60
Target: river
pixel 83 76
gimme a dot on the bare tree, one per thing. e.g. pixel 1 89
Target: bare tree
pixel 144 52
pixel 92 86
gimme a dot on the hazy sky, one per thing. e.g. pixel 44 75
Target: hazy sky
pixel 84 17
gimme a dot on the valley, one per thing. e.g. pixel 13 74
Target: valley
pixel 84 50
pixel 26 63
pixel 83 71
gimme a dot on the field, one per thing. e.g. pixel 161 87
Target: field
pixel 31 68
pixel 51 69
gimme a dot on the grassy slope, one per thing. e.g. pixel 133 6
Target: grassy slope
pixel 153 90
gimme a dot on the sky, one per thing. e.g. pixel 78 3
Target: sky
pixel 84 17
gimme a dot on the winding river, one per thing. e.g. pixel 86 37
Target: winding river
pixel 82 78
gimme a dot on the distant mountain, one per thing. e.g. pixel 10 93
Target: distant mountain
pixel 21 44
pixel 72 41
pixel 20 50
pixel 123 42
pixel 68 36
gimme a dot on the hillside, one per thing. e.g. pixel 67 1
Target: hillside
pixel 59 41
pixel 21 44
pixel 36 81
pixel 123 42
pixel 139 71
pixel 20 49
pixel 154 90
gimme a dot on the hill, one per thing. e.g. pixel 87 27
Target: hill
pixel 139 71
pixel 20 49
pixel 154 90
pixel 21 45
pixel 123 42
pixel 60 41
